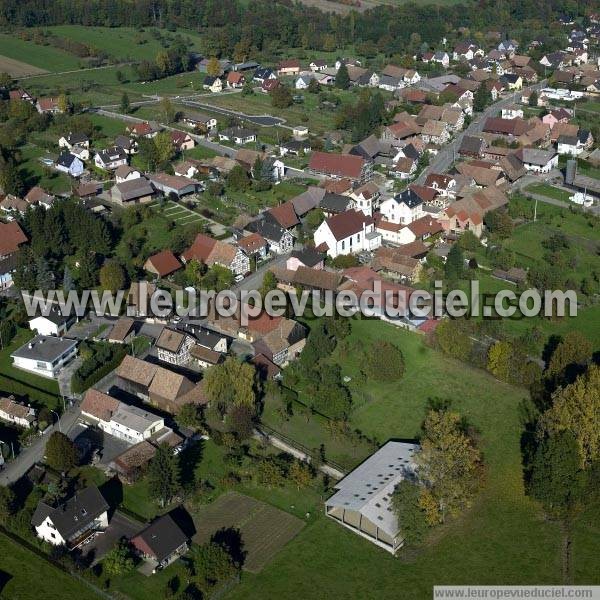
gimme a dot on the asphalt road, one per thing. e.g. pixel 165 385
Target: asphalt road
pixel 442 161
pixel 15 469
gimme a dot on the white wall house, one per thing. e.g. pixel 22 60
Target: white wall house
pixel 15 412
pixel 73 521
pixel 538 161
pixel 347 233
pixel 45 355
pixel 133 424
pixel 52 324
pixel 403 208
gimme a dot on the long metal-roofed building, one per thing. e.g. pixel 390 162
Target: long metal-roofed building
pixel 363 500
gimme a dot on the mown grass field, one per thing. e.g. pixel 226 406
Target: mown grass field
pixel 549 191
pixel 43 57
pixel 17 68
pixel 32 578
pixel 502 538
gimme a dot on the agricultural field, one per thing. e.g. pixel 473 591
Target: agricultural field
pixel 42 57
pixel 17 68
pixel 544 189
pixel 264 529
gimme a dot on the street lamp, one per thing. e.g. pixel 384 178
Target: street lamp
pixel 58 419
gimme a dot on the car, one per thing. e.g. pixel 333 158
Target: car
pixel 238 278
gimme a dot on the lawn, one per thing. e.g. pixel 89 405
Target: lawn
pixel 39 389
pixel 43 57
pixel 35 172
pixel 30 577
pixel 549 191
pixel 502 538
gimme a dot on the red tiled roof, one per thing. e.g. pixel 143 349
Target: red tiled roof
pixel 336 186
pixel 425 225
pixel 347 223
pixel 340 165
pixel 11 237
pixel 285 215
pixel 48 103
pixel 201 248
pixel 270 84
pixel 289 64
pixel 252 242
pixel 235 77
pixel 99 405
pixel 164 263
pixel 426 194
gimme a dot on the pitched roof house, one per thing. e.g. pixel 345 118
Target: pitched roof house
pixel 340 166
pixel 162 264
pixel 210 251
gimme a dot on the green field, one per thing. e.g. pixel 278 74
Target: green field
pixel 44 57
pixel 39 389
pixel 32 578
pixel 502 538
pixel 36 173
pixel 549 191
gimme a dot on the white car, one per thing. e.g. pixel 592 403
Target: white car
pixel 238 278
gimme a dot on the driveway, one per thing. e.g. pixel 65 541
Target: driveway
pixel 120 526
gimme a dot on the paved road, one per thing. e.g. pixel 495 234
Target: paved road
pixel 442 161
pixel 15 469
pixel 262 120
pixel 202 141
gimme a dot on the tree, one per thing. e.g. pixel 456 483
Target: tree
pixel 557 479
pixel 499 223
pixel 455 264
pixel 63 104
pixel 213 68
pixel 533 99
pixel 112 276
pixel 342 78
pixel 7 503
pixel 300 474
pixel 269 283
pixel 167 110
pixel 482 98
pixel 119 560
pixel 230 384
pixel 164 479
pixel 385 361
pixel 573 351
pixel 5 80
pixel 411 516
pixel 248 88
pixel 212 564
pixel 240 420
pixel 120 76
pixel 313 87
pixel 449 465
pixel 125 103
pixel 281 97
pixel 237 179
pixel 61 453
pixel 500 360
pixel 189 415
pixel 576 409
pixel 164 147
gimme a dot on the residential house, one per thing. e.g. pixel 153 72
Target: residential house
pixel 39 196
pixel 333 204
pixel 182 141
pixel 145 129
pixel 214 84
pixel 161 543
pixel 366 197
pixel 288 67
pixel 285 215
pixel 441 58
pixel 512 112
pixel 307 257
pixel 73 521
pixel 435 132
pixel 279 239
pixel 53 323
pixel 513 82
pixel 569 145
pixel 12 237
pixel 200 121
pixel 403 208
pixel 263 74
pixel 68 163
pixel 443 184
pixel 162 264
pixel 21 94
pixel 70 140
pixel 238 135
pixel 396 265
pixel 235 79
pixel 162 388
pixel 215 252
pixel 482 173
pixel 538 161
pixel 45 355
pixel 122 332
pixel 282 344
pixel 268 85
pixel 130 146
pixel 173 346
pixel 341 166
pixel 47 105
pixel 347 233
pixel 254 245
pixel 111 158
pixel 126 173
pixel 17 413
pixel 190 168
pixel 404 168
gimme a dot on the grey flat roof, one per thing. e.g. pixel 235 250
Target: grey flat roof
pixel 370 487
pixel 133 417
pixel 46 348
